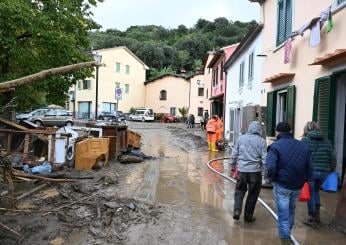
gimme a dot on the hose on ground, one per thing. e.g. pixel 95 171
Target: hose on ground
pixel 260 200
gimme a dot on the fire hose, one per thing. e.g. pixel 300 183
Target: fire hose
pixel 260 200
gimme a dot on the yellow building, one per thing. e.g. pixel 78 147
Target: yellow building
pixel 121 69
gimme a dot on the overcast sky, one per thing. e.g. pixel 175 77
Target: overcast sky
pixel 121 14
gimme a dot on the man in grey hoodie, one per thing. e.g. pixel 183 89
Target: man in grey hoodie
pixel 250 152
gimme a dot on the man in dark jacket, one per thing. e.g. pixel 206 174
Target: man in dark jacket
pixel 289 167
pixel 250 151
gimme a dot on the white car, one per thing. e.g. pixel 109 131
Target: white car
pixel 142 115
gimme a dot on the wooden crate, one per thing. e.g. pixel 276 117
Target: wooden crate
pixel 133 139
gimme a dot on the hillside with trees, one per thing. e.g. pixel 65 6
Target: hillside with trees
pixel 170 50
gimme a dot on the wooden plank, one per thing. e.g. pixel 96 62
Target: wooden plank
pixel 13 124
pixel 26 147
pixel 9 142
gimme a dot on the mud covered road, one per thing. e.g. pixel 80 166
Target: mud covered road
pixel 198 204
pixel 171 199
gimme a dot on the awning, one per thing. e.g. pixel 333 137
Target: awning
pixel 280 77
pixel 338 56
pixel 217 98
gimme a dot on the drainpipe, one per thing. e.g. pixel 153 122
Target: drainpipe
pixel 189 93
pixel 224 104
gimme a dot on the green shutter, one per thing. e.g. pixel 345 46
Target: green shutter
pixel 324 105
pixel 291 105
pixel 271 113
pixel 284 21
pixel 288 19
pixel 79 85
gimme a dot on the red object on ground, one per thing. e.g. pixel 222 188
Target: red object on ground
pixel 305 193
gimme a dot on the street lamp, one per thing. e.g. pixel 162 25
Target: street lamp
pixel 97 58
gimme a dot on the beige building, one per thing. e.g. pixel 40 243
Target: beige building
pixel 199 96
pixel 123 70
pixel 167 93
pixel 312 83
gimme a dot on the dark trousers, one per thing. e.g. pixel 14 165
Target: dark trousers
pixel 252 183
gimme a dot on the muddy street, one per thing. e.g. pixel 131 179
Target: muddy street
pixel 198 204
pixel 172 198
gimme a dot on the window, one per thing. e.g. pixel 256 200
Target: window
pixel 241 74
pixel 85 84
pixel 127 71
pixel 280 108
pixel 221 72
pixel 206 96
pixel 284 21
pixel 250 71
pixel 117 85
pixel 200 91
pixel 172 111
pixel 127 88
pixel 216 76
pixel 51 113
pixel 108 107
pixel 200 111
pixel 117 67
pixel 163 95
pixel 341 1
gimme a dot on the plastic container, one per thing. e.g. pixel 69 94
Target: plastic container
pixel 305 193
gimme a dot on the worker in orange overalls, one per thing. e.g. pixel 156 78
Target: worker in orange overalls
pixel 219 129
pixel 211 131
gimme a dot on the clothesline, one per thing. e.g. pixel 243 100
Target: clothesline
pixel 314 25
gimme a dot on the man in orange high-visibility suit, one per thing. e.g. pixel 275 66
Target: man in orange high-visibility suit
pixel 219 129
pixel 211 131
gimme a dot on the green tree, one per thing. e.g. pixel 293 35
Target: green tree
pixel 183 112
pixel 37 35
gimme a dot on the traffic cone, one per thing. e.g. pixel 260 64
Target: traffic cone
pixel 305 193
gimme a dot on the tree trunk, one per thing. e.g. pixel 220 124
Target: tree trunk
pixel 5 86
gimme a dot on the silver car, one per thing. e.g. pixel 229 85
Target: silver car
pixel 54 117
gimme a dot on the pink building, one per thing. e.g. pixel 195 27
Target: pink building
pixel 219 80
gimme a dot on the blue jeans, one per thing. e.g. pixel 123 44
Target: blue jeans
pixel 285 200
pixel 318 178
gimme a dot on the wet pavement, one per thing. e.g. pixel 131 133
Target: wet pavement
pixel 198 203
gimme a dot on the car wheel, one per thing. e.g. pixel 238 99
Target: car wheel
pixel 100 118
pixel 38 123
pixel 69 124
pixel 143 119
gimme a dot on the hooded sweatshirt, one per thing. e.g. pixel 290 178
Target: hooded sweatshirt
pixel 323 157
pixel 250 150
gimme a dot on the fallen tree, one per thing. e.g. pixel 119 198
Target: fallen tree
pixel 10 85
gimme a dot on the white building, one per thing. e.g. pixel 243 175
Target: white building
pixel 244 86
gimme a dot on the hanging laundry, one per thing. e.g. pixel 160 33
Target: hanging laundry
pixel 307 26
pixel 330 23
pixel 315 35
pixel 288 48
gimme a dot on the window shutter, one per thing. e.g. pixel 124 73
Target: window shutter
pixel 89 84
pixel 79 85
pixel 281 23
pixel 288 19
pixel 271 112
pixel 291 105
pixel 324 106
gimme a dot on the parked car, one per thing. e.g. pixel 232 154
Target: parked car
pixel 26 116
pixel 169 118
pixel 112 115
pixel 53 117
pixel 143 115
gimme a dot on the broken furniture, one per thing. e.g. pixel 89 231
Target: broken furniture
pixel 20 139
pixel 88 152
pixel 133 139
pixel 117 135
